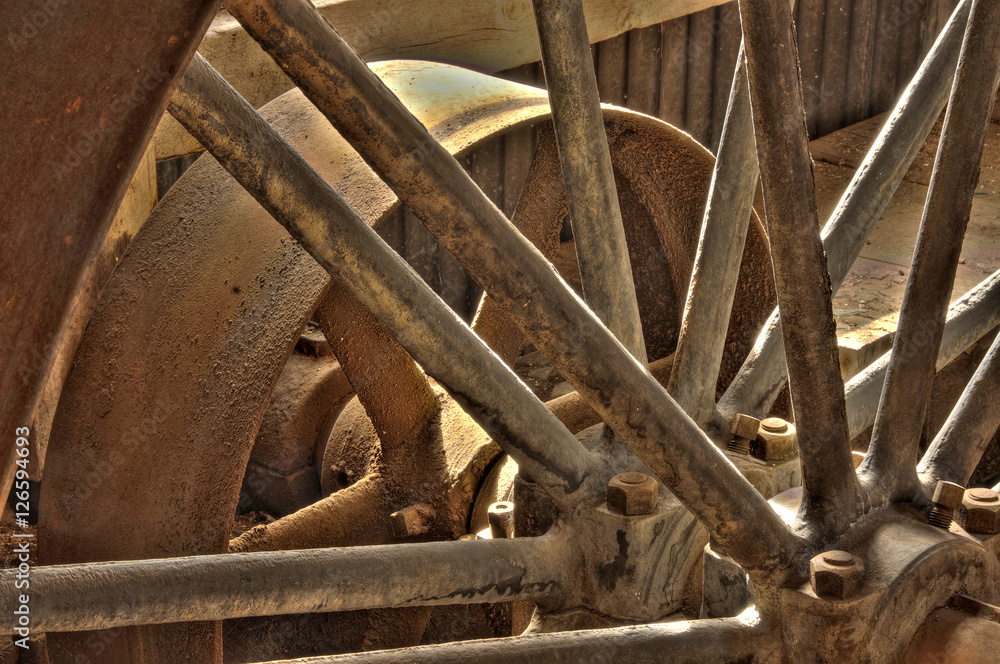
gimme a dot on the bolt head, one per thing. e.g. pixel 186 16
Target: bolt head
pixel 412 520
pixel 948 494
pixel 836 575
pixel 776 442
pixel 632 494
pixel 745 426
pixel 982 511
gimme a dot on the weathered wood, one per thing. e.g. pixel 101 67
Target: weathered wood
pixel 643 90
pixel 729 36
pixel 860 61
pixel 809 32
pixel 485 34
pixel 887 36
pixel 836 50
pixel 701 47
pixel 673 70
pixel 612 72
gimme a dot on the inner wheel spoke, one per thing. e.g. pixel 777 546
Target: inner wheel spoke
pixel 832 495
pixel 762 376
pixel 586 165
pixel 351 251
pixel 270 583
pixel 724 228
pixel 441 194
pixel 957 448
pixel 896 435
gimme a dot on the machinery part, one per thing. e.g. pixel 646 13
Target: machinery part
pixel 982 511
pixel 632 494
pixel 776 440
pixel 836 575
pixel 912 568
pixel 947 498
pixel 501 518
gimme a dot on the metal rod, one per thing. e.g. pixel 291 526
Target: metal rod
pixel 891 462
pixel 832 494
pixel 236 585
pixel 336 236
pixel 702 339
pixel 957 448
pixel 601 250
pixel 688 642
pixel 432 184
pixel 762 377
pixel 969 318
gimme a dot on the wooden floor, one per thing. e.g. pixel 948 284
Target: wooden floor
pixel 866 305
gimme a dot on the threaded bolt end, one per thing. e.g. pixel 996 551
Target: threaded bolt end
pixel 940 516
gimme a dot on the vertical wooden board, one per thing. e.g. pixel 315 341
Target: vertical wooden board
pixel 643 89
pixel 420 250
pixel 673 70
pixel 611 69
pixel 519 149
pixel 860 61
pixel 729 34
pixel 486 165
pixel 833 76
pixel 911 40
pixel 887 32
pixel 810 17
pixel 700 56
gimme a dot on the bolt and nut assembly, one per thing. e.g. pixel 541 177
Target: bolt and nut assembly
pixel 632 494
pixel 836 575
pixel 776 440
pixel 947 497
pixel 982 511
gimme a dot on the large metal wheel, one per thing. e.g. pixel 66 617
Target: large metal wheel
pixel 845 568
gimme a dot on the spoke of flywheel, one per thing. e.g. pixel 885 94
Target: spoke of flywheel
pixel 969 318
pixel 695 642
pixel 702 338
pixel 236 585
pixel 891 462
pixel 832 494
pixel 957 448
pixel 762 376
pixel 339 239
pixel 591 196
pixel 434 186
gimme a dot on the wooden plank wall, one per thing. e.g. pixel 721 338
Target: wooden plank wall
pixel 856 57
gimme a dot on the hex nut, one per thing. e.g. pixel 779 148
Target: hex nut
pixel 776 440
pixel 982 511
pixel 745 426
pixel 948 494
pixel 836 575
pixel 412 520
pixel 632 494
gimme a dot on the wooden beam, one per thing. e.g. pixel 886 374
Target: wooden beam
pixel 488 35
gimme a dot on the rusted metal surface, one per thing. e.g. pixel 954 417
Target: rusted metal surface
pixel 591 194
pixel 761 379
pixel 441 194
pixel 896 435
pixel 728 213
pixel 59 121
pixel 832 492
pixel 340 240
pixel 958 446
pixel 114 594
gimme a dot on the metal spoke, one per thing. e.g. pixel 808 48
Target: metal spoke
pixel 235 585
pixel 762 377
pixel 351 251
pixel 694 642
pixel 724 227
pixel 957 448
pixel 832 495
pixel 596 219
pixel 891 461
pixel 972 316
pixel 441 194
